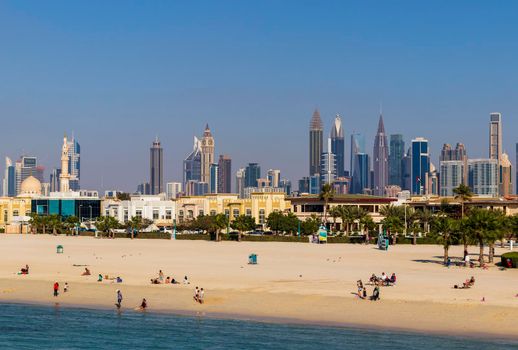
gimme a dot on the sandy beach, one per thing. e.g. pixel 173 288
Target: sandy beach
pixel 292 282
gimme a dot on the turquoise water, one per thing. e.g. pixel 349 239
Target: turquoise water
pixel 42 327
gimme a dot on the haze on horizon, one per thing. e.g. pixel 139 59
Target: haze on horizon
pixel 119 73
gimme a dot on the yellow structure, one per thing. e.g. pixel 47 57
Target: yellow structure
pixel 14 214
pixel 259 206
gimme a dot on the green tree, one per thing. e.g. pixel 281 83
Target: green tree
pixel 484 226
pixel 243 223
pixel 310 225
pixel 275 221
pixel 367 224
pixel 463 194
pixel 326 194
pixel 71 222
pixel 135 225
pixel 348 215
pixel 107 224
pixel 335 214
pixel 36 222
pixel 123 196
pixel 445 231
pixel 55 223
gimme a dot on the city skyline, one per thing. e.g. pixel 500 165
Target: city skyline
pixel 117 97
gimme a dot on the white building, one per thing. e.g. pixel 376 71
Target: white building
pixel 173 189
pixel 483 176
pixel 452 174
pixel 153 207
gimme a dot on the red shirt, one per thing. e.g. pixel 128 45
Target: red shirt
pixel 56 286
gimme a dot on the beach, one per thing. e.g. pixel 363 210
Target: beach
pixel 292 282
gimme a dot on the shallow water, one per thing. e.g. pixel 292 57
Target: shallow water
pixel 44 327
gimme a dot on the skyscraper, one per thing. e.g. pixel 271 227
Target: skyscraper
pixel 173 189
pixel 315 143
pixel 252 173
pixel 328 168
pixel 380 160
pixel 495 136
pixel 304 185
pixel 505 186
pixel 397 152
pixel 357 146
pixel 240 182
pixel 9 182
pixel 274 177
pixel 54 180
pixel 361 175
pixel 225 174
pixel 483 177
pixel 459 153
pixel 406 169
pixel 192 164
pixel 214 178
pixel 207 154
pixel 74 164
pixel 338 146
pixel 452 175
pixel 420 165
pixel 156 167
pixel 64 177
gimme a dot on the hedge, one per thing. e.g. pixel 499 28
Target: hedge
pixel 511 255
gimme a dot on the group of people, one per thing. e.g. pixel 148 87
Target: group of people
pixel 199 295
pixel 362 291
pixel 55 288
pixel 383 280
pixel 467 284
pixel 168 280
pixel 24 270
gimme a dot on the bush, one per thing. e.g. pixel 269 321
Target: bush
pixel 511 255
pixel 193 237
pixel 2 230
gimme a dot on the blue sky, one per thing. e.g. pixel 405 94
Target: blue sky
pixel 118 73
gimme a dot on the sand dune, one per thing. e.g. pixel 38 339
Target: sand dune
pixel 299 282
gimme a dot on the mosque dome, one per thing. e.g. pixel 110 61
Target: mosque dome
pixel 30 186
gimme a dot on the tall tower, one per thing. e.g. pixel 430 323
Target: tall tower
pixel 338 146
pixel 315 143
pixel 380 160
pixel 207 154
pixel 224 174
pixel 74 164
pixel 64 178
pixel 495 136
pixel 420 165
pixel 397 152
pixel 357 146
pixel 328 168
pixel 505 187
pixel 156 167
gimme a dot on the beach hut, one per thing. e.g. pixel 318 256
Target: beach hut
pixel 252 259
pixel 59 249
pixel 322 234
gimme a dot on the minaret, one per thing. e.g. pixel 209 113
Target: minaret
pixel 315 143
pixel 207 154
pixel 64 178
pixel 380 160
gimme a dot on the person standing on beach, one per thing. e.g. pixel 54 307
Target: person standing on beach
pixel 196 294
pixel 65 288
pixel 201 295
pixel 56 289
pixel 119 299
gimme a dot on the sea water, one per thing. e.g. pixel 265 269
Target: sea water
pixel 44 327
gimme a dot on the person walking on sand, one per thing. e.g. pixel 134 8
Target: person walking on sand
pixel 65 288
pixel 119 299
pixel 56 289
pixel 201 295
pixel 196 294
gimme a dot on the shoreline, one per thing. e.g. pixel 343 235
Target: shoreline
pixel 292 284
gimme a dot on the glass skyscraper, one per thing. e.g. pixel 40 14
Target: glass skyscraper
pixel 192 164
pixel 338 146
pixel 362 173
pixel 156 167
pixel 397 152
pixel 252 173
pixel 420 165
pixel 357 146
pixel 74 164
pixel 315 143
pixel 483 176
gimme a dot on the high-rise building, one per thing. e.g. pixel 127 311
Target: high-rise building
pixel 285 184
pixel 328 168
pixel 362 172
pixel 9 182
pixel 315 143
pixel 314 184
pixel 224 174
pixel 64 177
pixel 74 164
pixel 338 146
pixel 192 164
pixel 459 153
pixel 432 181
pixel 54 180
pixel 380 160
pixel 357 146
pixel 452 175
pixel 505 186
pixel 214 178
pixel 304 185
pixel 240 182
pixel 156 167
pixel 406 169
pixel 483 177
pixel 252 173
pixel 207 154
pixel 420 165
pixel 173 189
pixel 274 177
pixel 495 136
pixel 144 188
pixel 196 188
pixel 397 152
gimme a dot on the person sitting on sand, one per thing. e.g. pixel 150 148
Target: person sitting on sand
pixel 168 280
pixel 364 293
pixel 65 288
pixel 143 305
pixel 375 294
pixel 373 279
pixel 201 295
pixel 186 280
pixel 86 273
pixel 393 278
pixel 196 294
pixel 472 281
pixel 173 281
pixel 154 281
pixel 509 263
pixel 100 278
pixel 25 270
pixel 118 279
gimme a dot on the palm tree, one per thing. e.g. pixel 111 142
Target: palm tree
pixel 71 222
pixel 464 194
pixel 219 223
pixel 348 216
pixel 484 226
pixel 444 229
pixel 367 224
pixel 107 224
pixel 54 222
pixel 335 213
pixel 326 194
pixel 134 224
pixel 35 222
